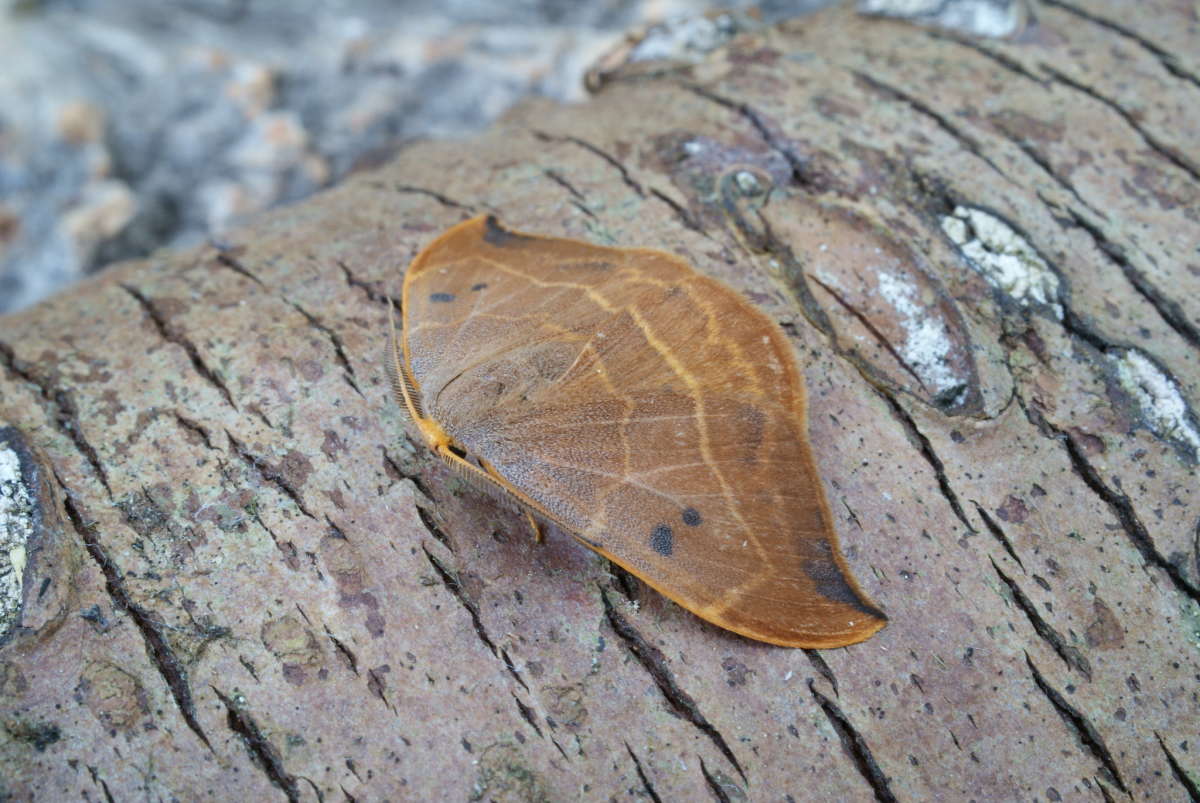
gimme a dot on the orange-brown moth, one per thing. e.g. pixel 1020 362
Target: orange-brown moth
pixel 649 411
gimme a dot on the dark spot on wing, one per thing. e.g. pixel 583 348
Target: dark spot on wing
pixel 441 297
pixel 475 288
pixel 691 517
pixel 497 235
pixel 662 541
pixel 829 582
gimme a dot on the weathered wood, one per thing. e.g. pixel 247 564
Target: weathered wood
pixel 250 583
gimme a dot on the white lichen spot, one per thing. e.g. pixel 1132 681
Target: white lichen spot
pixel 927 343
pixel 1157 395
pixel 747 182
pixel 1005 259
pixel 16 528
pixel 956 229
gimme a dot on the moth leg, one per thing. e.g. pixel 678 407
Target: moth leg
pixel 538 535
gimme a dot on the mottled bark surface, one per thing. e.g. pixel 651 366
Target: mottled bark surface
pixel 247 583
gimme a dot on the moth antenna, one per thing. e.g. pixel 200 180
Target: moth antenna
pixel 478 479
pixel 490 482
pixel 402 383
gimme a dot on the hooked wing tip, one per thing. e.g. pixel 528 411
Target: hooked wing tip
pixel 809 635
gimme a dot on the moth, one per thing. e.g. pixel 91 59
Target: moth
pixel 647 410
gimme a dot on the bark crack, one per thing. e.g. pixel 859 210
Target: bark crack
pixel 625 583
pixel 399 471
pixel 249 667
pixel 1118 503
pixel 818 663
pixel 559 747
pixel 577 198
pixel 512 668
pixel 264 754
pixel 1168 309
pixel 1169 61
pixel 685 217
pixel 1083 728
pixel 286 548
pixel 1071 656
pixel 1181 775
pixel 316 789
pixel 60 407
pixel 194 427
pixel 870 327
pixel 346 653
pixel 431 525
pixel 561 181
pixel 96 779
pixel 918 439
pixel 455 588
pixel 528 715
pixel 998 534
pixel 338 347
pixel 682 214
pixel 1041 161
pixel 612 161
pixel 715 784
pixel 172 670
pixel 270 473
pixel 966 140
pixel 225 260
pixel 173 334
pixel 855 746
pixel 649 787
pixel 370 289
pixel 817 317
pixel 1165 151
pixel 444 200
pixel 1008 63
pixel 655 663
pixel 800 173
pixel 1121 506
pixel 377 685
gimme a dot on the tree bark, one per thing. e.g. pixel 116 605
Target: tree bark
pixel 245 580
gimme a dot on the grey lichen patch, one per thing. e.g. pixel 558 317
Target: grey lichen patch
pixel 1159 399
pixel 927 345
pixel 504 775
pixel 995 18
pixel 690 38
pixel 1005 259
pixel 16 530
